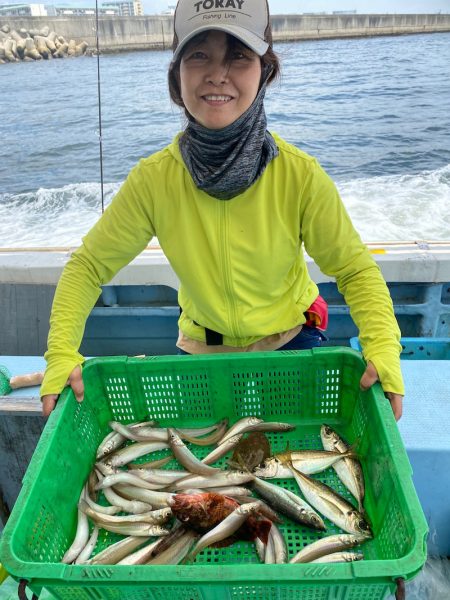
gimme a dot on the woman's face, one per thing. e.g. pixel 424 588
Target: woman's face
pixel 217 89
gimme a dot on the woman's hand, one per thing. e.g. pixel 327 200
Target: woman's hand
pixel 370 376
pixel 76 383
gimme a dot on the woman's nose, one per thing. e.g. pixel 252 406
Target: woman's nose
pixel 217 73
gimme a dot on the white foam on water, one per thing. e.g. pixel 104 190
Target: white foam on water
pixel 400 207
pixel 432 583
pixel 390 208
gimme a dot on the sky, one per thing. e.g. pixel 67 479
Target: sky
pixel 290 6
pixel 361 6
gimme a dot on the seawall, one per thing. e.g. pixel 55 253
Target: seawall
pixel 155 31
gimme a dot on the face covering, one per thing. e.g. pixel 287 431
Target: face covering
pixel 225 162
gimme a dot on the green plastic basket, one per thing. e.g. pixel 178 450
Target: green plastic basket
pixel 307 388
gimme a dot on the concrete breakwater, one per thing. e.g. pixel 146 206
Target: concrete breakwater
pixel 36 44
pixel 117 34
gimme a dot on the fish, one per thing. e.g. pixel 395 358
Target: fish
pixel 255 424
pixel 116 552
pixel 113 441
pixel 156 499
pixel 85 554
pixel 213 438
pixel 348 470
pixel 128 479
pixel 297 510
pixel 327 545
pixel 222 478
pixel 223 449
pixel 152 464
pixel 311 461
pixel 185 456
pixel 155 517
pixel 251 451
pixel 81 535
pixel 130 506
pixel 107 510
pixel 141 556
pixel 130 453
pixel 279 545
pixel 203 512
pixel 331 505
pixel 177 551
pixel 159 476
pixel 339 557
pixel 232 527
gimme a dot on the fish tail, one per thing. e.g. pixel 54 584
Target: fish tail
pixel 263 528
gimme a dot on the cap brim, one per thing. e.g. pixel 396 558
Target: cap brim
pixel 251 40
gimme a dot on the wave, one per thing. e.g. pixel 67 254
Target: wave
pixel 387 208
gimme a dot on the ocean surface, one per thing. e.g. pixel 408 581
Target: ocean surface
pixel 375 112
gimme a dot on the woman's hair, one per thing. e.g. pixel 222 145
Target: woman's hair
pixel 268 60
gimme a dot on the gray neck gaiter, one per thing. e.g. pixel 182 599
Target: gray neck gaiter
pixel 225 162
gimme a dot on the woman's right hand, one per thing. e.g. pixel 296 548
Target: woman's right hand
pixel 76 383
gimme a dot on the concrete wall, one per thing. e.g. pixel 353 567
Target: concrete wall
pixel 150 32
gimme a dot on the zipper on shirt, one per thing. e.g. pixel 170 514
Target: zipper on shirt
pixel 225 262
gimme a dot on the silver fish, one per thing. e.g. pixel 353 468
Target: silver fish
pixel 136 529
pixel 127 478
pixel 332 506
pixel 177 551
pixel 269 554
pixel 311 461
pixel 348 470
pixel 116 552
pixel 126 455
pixel 130 506
pixel 154 498
pixel 279 500
pixel 223 478
pixel 156 517
pixel 339 557
pixel 239 427
pixel 279 545
pixel 327 545
pixel 81 534
pixel 152 464
pixel 107 510
pixel 213 438
pixel 222 449
pixel 85 554
pixel 225 528
pixel 186 458
pixel 141 556
pixel 159 476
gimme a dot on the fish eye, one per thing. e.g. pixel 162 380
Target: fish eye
pixel 363 525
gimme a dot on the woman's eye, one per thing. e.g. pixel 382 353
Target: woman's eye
pixel 197 55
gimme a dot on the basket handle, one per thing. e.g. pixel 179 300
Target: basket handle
pixel 22 591
pixel 400 592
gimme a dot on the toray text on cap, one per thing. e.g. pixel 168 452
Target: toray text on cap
pixel 209 4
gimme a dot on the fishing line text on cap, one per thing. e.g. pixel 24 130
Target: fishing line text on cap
pixel 246 20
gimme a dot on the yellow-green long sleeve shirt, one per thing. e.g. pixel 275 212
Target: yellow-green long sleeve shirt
pixel 240 262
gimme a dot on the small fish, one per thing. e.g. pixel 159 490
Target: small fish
pixel 279 545
pixel 186 458
pixel 223 449
pixel 152 464
pixel 213 438
pixel 130 506
pixel 348 470
pixel 331 505
pixel 223 478
pixel 177 551
pixel 327 545
pixel 255 424
pixel 155 498
pixel 128 479
pixel 297 509
pixel 81 534
pixel 156 517
pixel 251 451
pixel 107 510
pixel 116 552
pixel 339 557
pixel 85 554
pixel 311 461
pixel 159 476
pixel 130 453
pixel 141 556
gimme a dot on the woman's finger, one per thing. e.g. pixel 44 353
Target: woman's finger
pixel 370 376
pixel 76 383
pixel 396 403
pixel 48 403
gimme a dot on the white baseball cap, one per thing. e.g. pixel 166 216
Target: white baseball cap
pixel 246 20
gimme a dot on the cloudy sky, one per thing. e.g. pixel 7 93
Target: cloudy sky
pixel 290 6
pixel 362 6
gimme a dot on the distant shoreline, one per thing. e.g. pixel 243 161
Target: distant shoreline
pixel 155 32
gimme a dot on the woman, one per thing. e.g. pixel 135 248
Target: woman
pixel 231 206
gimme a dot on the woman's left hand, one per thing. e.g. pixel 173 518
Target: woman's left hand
pixel 370 376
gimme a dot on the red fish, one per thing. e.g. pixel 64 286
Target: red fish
pixel 202 512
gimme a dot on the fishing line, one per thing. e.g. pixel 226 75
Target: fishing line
pixel 99 106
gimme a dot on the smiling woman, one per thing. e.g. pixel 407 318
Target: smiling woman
pixel 232 206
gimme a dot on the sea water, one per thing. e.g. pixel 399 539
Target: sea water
pixel 375 112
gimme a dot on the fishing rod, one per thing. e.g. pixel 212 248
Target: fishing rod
pixel 99 97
